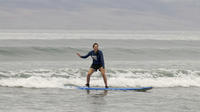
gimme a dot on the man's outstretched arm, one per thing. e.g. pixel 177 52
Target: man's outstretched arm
pixel 84 56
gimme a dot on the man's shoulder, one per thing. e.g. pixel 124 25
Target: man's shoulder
pixel 100 51
pixel 91 51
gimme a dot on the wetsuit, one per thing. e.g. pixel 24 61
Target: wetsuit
pixel 98 60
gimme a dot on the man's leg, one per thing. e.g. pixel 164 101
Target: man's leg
pixel 91 70
pixel 102 70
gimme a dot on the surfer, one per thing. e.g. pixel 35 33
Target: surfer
pixel 98 64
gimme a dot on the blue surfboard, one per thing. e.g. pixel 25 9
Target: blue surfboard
pixel 124 89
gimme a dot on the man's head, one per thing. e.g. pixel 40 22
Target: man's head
pixel 95 46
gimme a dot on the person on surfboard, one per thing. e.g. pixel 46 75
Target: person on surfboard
pixel 98 63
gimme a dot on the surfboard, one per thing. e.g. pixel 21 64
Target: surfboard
pixel 123 89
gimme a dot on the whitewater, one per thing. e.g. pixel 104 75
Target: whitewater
pixel 117 78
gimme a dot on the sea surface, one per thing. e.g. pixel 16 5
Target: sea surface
pixel 39 71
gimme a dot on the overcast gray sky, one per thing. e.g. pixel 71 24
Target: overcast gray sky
pixel 101 14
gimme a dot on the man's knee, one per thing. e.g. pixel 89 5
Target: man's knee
pixel 103 73
pixel 89 74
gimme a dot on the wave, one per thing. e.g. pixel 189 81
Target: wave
pixel 68 53
pixel 61 78
pixel 101 34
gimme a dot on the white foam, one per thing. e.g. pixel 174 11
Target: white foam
pixel 125 78
pixel 39 82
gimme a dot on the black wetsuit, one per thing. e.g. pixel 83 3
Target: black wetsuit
pixel 98 60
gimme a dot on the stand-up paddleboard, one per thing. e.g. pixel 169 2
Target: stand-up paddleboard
pixel 123 89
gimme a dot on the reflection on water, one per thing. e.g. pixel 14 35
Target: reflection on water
pixel 101 94
pixel 96 100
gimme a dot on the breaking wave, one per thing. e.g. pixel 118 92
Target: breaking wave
pixel 60 78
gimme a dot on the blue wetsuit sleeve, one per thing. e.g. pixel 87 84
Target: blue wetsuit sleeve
pixel 102 59
pixel 86 55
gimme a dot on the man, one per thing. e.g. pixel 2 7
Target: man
pixel 98 63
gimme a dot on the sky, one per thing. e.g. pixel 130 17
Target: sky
pixel 100 14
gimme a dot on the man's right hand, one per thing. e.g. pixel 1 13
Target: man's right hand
pixel 78 54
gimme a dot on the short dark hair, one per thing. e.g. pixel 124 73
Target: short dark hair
pixel 95 44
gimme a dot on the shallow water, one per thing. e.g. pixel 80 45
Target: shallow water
pixel 71 100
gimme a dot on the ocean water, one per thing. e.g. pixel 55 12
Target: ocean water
pixel 39 70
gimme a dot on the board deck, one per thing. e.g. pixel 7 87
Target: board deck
pixel 124 89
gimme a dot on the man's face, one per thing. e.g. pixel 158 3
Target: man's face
pixel 95 48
